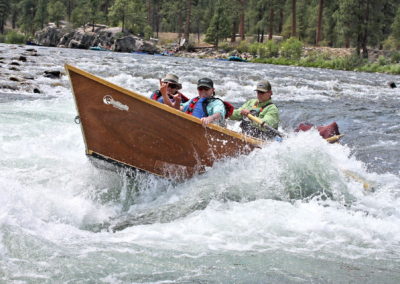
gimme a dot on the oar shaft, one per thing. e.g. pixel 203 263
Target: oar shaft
pixel 264 125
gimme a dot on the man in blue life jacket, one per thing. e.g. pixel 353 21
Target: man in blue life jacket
pixel 263 108
pixel 205 106
pixel 169 88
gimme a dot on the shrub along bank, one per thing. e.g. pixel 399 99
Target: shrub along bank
pixel 13 37
pixel 291 52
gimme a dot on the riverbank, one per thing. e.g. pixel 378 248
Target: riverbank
pixel 379 61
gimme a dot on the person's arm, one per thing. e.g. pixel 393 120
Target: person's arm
pixel 216 110
pixel 163 91
pixel 237 113
pixel 185 106
pixel 210 119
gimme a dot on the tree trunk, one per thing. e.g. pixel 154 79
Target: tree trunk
pixel 157 17
pixel 69 10
pixel 319 22
pixel 294 28
pixel 150 13
pixel 280 28
pixel 179 24
pixel 123 23
pixel 198 32
pixel 234 28
pixel 217 35
pixel 241 19
pixel 187 24
pixel 364 40
pixel 271 23
pixel 347 42
pixel 106 7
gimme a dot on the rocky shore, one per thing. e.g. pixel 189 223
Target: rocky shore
pixel 101 37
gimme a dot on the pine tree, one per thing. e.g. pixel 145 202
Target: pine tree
pixel 56 10
pixel 396 25
pixel 5 9
pixel 41 16
pixel 219 25
pixel 27 10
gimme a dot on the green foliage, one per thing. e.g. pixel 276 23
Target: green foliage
pixel 78 17
pixel 264 50
pixel 395 57
pixel 219 27
pixel 26 11
pixel 382 60
pixel 226 47
pixel 292 48
pixel 396 26
pixel 14 37
pixel 2 38
pixel 41 16
pixel 130 14
pixel 350 63
pixel 391 43
pixel 148 32
pixel 56 10
pixel 243 46
pixel 5 9
pixel 271 49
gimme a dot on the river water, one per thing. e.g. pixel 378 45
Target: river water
pixel 286 213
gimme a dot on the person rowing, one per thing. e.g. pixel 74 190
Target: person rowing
pixel 262 108
pixel 169 91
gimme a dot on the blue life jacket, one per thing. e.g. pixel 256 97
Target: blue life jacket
pixel 198 107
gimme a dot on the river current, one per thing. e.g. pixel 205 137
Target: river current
pixel 286 213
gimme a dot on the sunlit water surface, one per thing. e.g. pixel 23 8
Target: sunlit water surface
pixel 286 213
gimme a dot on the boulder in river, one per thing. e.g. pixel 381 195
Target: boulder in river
pixel 52 74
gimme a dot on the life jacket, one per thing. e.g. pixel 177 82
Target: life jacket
pixel 157 96
pixel 325 131
pixel 198 107
pixel 257 112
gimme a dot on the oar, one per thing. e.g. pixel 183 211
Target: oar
pixel 264 125
pixel 354 176
pixel 350 174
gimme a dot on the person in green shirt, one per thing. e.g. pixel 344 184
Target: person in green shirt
pixel 261 107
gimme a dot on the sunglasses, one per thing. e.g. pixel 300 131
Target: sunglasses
pixel 173 86
pixel 259 92
pixel 203 88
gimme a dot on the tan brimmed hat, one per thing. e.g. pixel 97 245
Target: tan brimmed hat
pixel 171 78
pixel 263 86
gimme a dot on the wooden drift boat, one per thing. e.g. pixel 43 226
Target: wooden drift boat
pixel 128 129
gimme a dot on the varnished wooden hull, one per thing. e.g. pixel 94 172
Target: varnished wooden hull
pixel 129 129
